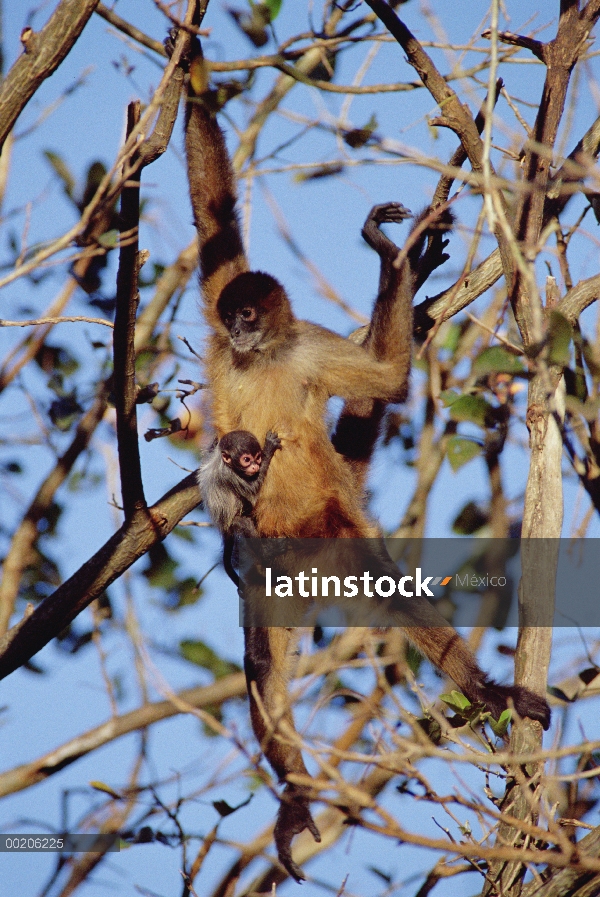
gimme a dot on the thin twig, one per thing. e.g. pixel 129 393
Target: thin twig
pixel 33 322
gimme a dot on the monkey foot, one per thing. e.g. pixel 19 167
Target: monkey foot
pixel 294 816
pixel 188 55
pixel 526 703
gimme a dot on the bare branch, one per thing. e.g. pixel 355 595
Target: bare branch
pixel 34 322
pixel 130 30
pixel 519 40
pixel 132 488
pixel 44 52
pixel 19 552
pixel 137 535
pixel 579 298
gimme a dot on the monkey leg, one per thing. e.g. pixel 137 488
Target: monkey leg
pixel 266 662
pixel 444 647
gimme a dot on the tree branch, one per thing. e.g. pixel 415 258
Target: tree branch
pixel 44 52
pixel 130 30
pixel 133 539
pixel 128 297
pixel 519 40
pixel 26 534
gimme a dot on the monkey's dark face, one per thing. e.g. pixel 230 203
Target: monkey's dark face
pixel 243 322
pixel 255 310
pixel 245 464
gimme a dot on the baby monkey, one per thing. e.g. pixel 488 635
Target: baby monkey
pixel 230 479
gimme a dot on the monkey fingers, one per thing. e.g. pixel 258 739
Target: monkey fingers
pixel 272 548
pixel 287 438
pixel 272 442
pixel 389 213
pixel 294 816
pixel 193 49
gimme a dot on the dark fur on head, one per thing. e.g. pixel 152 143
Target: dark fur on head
pixel 237 442
pixel 264 294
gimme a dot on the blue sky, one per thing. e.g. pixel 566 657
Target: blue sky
pixel 326 217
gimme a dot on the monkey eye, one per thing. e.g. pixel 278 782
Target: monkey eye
pixel 248 313
pixel 246 460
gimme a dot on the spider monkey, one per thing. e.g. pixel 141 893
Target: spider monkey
pixel 230 479
pixel 268 370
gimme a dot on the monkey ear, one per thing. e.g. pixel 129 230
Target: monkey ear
pixel 226 458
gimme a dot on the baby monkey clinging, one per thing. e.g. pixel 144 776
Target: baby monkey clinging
pixel 230 479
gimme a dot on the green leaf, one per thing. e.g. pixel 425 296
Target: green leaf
pixel 274 7
pixel 160 568
pixel 432 729
pixel 106 789
pixel 497 360
pixel 473 409
pixel 203 656
pixel 560 334
pixel 500 727
pixel 456 701
pixel 62 170
pixel 93 178
pixel 186 592
pixel 470 519
pixel 54 358
pixel 254 22
pixel 110 239
pixel 64 411
pixel 451 338
pixel 460 451
pixel 448 397
pixel 12 467
pixel 588 410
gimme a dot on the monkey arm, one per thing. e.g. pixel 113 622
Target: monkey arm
pixel 338 367
pixel 212 190
pixel 386 249
pixel 272 444
pixel 389 336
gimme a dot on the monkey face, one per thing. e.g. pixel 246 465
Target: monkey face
pixel 244 325
pixel 255 310
pixel 245 464
pixel 242 453
pixel 248 464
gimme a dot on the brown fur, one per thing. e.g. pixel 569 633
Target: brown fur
pixel 284 385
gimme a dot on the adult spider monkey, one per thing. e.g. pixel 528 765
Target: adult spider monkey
pixel 269 371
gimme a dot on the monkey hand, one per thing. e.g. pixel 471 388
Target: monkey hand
pixel 294 816
pixel 389 213
pixel 272 548
pixel 272 442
